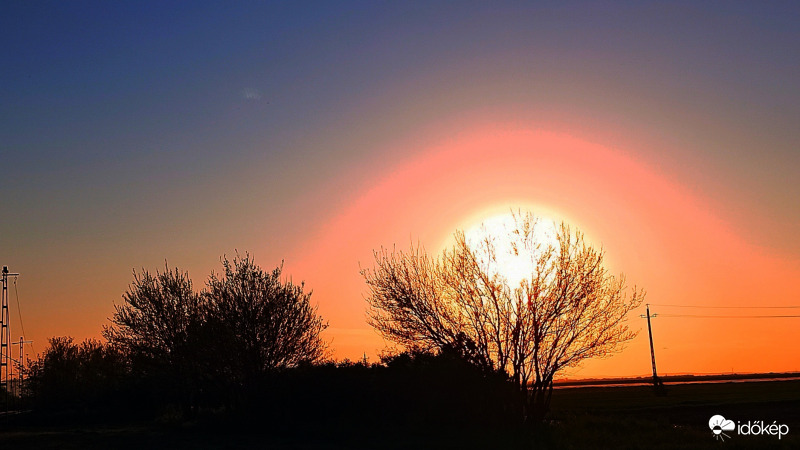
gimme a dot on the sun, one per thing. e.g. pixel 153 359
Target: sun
pixel 510 259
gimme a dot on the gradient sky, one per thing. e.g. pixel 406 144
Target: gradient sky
pixel 131 134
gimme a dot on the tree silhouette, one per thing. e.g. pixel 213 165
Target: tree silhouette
pixel 264 323
pixel 160 328
pixel 155 323
pixel 566 310
pixel 71 376
pixel 215 343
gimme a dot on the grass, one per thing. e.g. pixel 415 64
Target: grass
pixel 630 417
pixel 634 417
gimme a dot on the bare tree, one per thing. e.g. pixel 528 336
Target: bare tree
pixel 566 310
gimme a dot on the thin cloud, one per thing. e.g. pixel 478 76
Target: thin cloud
pixel 251 94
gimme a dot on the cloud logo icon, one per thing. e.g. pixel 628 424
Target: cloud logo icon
pixel 719 425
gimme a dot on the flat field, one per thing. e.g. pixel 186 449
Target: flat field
pixel 634 417
pixel 627 417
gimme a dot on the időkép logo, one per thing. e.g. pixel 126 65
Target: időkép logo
pixel 719 425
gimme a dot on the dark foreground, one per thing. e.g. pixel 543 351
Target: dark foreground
pixel 590 417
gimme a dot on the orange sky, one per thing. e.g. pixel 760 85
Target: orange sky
pixel 665 238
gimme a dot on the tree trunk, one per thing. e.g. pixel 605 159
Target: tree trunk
pixel 537 403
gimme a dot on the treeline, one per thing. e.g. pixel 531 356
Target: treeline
pixel 412 393
pixel 246 350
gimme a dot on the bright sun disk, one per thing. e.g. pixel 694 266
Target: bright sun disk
pixel 513 265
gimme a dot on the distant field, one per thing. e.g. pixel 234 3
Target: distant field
pixel 582 417
pixel 633 417
pixel 678 395
pixel 681 379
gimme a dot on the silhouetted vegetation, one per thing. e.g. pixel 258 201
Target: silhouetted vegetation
pixel 160 328
pixel 416 400
pixel 208 348
pixel 90 376
pixel 246 351
pixel 260 323
pixel 247 347
pixel 418 393
pixel 421 394
pixel 568 308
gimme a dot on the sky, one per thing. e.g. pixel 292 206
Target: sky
pixel 134 134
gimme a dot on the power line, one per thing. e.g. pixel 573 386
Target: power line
pixel 21 325
pixel 727 306
pixel 19 310
pixel 703 316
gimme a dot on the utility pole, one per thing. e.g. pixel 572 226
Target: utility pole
pixel 5 336
pixel 656 381
pixel 21 364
